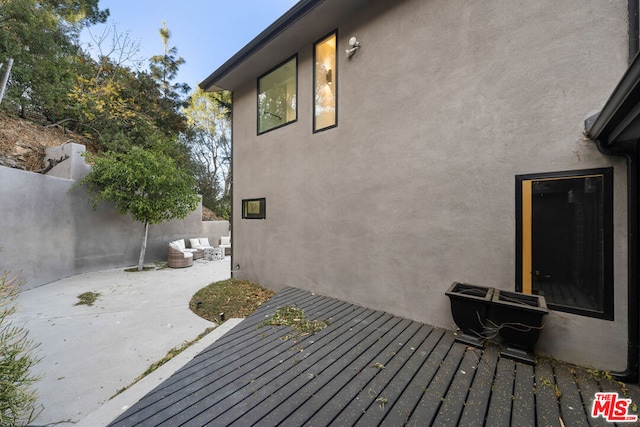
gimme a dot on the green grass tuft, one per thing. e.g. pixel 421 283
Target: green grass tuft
pixel 87 298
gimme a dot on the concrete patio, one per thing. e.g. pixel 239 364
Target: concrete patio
pixel 89 353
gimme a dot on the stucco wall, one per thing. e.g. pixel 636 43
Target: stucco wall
pixel 50 231
pixel 442 106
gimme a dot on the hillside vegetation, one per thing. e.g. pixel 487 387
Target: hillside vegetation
pixel 102 95
pixel 23 142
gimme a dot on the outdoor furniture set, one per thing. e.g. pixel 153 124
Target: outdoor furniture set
pixel 180 255
pixel 483 313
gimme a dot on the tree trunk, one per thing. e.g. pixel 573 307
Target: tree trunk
pixel 143 249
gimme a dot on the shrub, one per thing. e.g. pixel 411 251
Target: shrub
pixel 17 399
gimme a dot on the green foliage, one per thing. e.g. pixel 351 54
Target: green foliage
pixel 145 183
pixel 164 69
pixel 118 107
pixel 41 38
pixel 87 298
pixel 17 399
pixel 209 140
pixel 102 99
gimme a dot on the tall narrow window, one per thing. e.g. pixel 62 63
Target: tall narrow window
pixel 325 83
pixel 277 93
pixel 565 240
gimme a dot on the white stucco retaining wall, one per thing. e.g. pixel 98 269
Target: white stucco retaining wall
pixel 50 231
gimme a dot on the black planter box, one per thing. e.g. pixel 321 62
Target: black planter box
pixel 519 319
pixel 469 309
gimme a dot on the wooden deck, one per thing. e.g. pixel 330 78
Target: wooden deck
pixel 367 368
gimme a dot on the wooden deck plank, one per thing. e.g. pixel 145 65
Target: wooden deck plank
pixel 453 404
pixel 359 381
pixel 431 399
pixel 304 300
pixel 287 383
pixel 332 379
pixel 245 382
pixel 571 408
pixel 434 349
pixel 253 377
pixel 588 385
pixel 476 406
pixel 318 409
pixel 524 404
pixel 235 341
pixel 238 345
pixel 260 347
pixel 328 345
pixel 547 408
pixel 163 401
pixel 387 385
pixel 501 401
pixel 415 352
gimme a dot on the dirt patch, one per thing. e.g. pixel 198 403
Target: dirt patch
pixel 23 142
pixel 209 215
pixel 231 298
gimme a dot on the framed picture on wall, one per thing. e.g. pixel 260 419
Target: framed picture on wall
pixel 254 208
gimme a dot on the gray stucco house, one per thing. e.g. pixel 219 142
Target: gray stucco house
pixel 385 149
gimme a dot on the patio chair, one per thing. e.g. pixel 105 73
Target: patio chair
pixel 179 259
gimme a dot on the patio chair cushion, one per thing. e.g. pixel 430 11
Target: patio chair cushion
pixel 181 245
pixel 195 243
pixel 204 241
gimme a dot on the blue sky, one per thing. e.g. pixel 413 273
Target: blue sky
pixel 205 32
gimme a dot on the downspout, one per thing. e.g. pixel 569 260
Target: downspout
pixel 630 153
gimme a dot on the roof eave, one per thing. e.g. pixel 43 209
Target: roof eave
pixel 294 14
pixel 619 120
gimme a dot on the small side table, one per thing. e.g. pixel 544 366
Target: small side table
pixel 209 254
pixel 218 253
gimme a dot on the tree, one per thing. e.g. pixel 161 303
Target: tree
pixel 164 69
pixel 145 183
pixel 118 107
pixel 209 141
pixel 41 36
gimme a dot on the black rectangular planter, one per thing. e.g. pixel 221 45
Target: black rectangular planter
pixel 469 309
pixel 519 319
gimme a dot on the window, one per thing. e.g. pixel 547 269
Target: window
pixel 565 240
pixel 325 83
pixel 254 208
pixel 277 93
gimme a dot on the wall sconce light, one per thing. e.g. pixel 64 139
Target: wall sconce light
pixel 355 45
pixel 329 76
